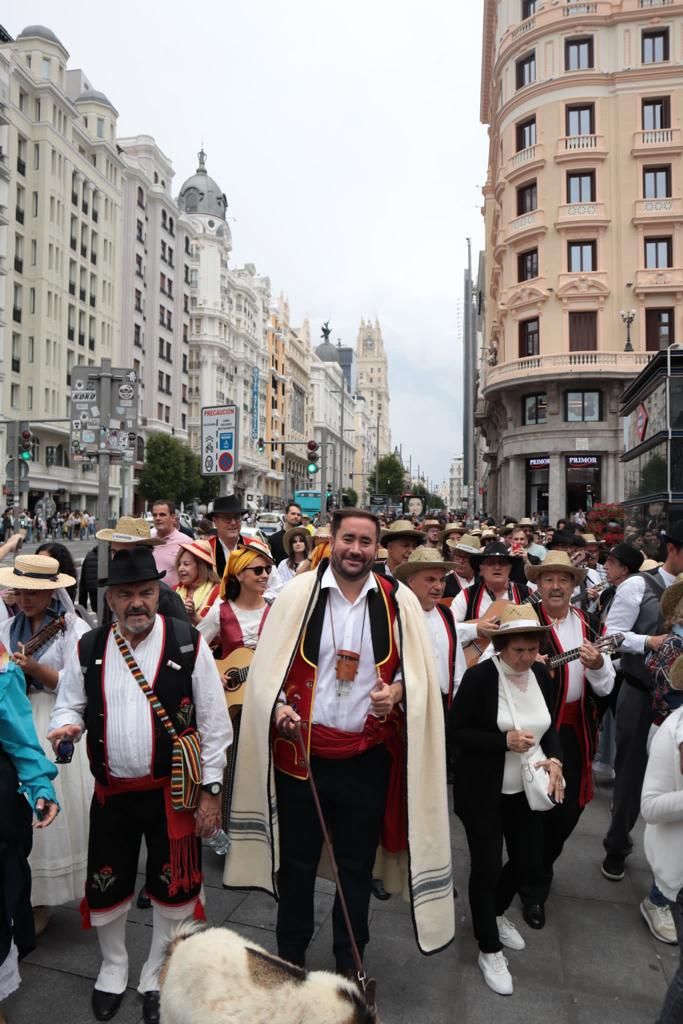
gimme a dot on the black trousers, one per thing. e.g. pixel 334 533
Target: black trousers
pixel 493 886
pixel 353 795
pixel 116 830
pixel 560 822
pixel 633 720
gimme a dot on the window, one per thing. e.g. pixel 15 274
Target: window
pixel 36 156
pixel 34 204
pixel 141 197
pixel 137 336
pixel 656 113
pixel 658 253
pixel 581 187
pixel 139 231
pixel 527 265
pixel 578 54
pixel 100 127
pixel 657 182
pixel 582 407
pixel 534 410
pixel 583 332
pixel 46 69
pixel 527 198
pixel 655 46
pixel 138 265
pixel 581 257
pixel 525 70
pixel 138 300
pixel 528 8
pixel 659 329
pixel 529 338
pixel 580 120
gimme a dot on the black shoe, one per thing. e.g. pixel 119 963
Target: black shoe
pixel 613 867
pixel 105 1004
pixel 150 1008
pixel 534 915
pixel 378 890
pixel 143 900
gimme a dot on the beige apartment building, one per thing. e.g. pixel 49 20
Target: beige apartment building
pixel 372 380
pixel 584 232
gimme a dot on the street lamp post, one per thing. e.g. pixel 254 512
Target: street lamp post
pixel 628 316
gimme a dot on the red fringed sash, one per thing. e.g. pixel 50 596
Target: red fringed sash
pixel 572 716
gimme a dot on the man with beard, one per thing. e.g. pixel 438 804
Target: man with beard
pixel 582 682
pixel 329 673
pixel 106 691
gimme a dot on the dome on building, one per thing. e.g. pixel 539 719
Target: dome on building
pixel 40 32
pixel 201 194
pixel 328 352
pixel 94 96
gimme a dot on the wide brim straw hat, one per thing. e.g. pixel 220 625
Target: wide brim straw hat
pixel 422 558
pixel 129 530
pixel 467 545
pixel 35 572
pixel 399 530
pixel 671 596
pixel 556 561
pixel 428 524
pixel 451 528
pixel 291 535
pixel 519 618
pixel 201 549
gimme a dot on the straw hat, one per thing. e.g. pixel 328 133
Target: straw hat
pixel 322 534
pixel 430 523
pixel 35 572
pixel 291 535
pixel 421 558
pixel 650 563
pixel 467 545
pixel 525 521
pixel 130 531
pixel 399 530
pixel 520 618
pixel 451 528
pixel 590 538
pixel 201 549
pixel 556 561
pixel 669 599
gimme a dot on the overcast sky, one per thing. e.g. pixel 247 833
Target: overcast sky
pixel 346 137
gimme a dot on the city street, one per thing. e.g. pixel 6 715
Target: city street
pixel 594 961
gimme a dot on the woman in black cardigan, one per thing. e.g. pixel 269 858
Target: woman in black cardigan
pixel 488 795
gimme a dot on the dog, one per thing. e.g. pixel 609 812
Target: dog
pixel 214 976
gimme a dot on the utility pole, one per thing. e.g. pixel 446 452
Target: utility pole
pixel 377 459
pixel 104 461
pixel 323 475
pixel 341 450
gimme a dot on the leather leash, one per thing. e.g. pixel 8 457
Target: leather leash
pixel 367 985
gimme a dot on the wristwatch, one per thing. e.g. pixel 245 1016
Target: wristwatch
pixel 214 788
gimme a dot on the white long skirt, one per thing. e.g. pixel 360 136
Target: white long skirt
pixel 59 858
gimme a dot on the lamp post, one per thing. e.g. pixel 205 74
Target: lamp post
pixel 628 316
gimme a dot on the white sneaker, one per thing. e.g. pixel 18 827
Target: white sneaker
pixel 494 967
pixel 659 921
pixel 508 934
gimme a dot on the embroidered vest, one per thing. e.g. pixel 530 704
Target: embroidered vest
pixel 231 633
pixel 300 684
pixel 172 686
pixel 518 594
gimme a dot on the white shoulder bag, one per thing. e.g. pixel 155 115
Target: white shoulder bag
pixel 535 780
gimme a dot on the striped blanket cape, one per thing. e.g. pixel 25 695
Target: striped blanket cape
pixel 423 873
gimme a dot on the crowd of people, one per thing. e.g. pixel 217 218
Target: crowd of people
pixel 65 524
pixel 387 659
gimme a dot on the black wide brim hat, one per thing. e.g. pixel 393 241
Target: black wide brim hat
pixel 628 555
pixel 496 549
pixel 229 504
pixel 133 565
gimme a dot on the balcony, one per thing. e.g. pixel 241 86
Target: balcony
pixel 657 142
pixel 16 365
pixel 81 338
pixel 93 257
pixel 582 285
pixel 3 215
pixel 84 207
pixel 3 265
pixel 84 250
pixel 593 364
pixel 526 226
pixel 74 198
pixel 72 287
pixel 91 344
pixel 581 215
pixel 16 314
pixel 19 264
pixel 4 169
pixel 71 331
pixel 658 211
pixel 81 294
pixel 657 281
pixel 573 148
pixel 19 213
pixel 73 243
pixel 560 13
pixel 92 301
pixel 524 162
pixel 21 166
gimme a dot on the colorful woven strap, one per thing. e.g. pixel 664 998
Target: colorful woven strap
pixel 139 678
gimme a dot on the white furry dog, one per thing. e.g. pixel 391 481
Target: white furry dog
pixel 214 976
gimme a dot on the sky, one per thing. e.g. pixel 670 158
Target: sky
pixel 346 137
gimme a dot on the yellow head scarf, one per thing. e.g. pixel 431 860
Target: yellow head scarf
pixel 319 552
pixel 240 559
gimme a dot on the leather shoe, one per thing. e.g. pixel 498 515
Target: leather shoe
pixel 150 1008
pixel 143 900
pixel 105 1004
pixel 378 890
pixel 534 915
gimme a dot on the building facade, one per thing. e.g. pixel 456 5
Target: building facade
pixel 372 380
pixel 277 398
pixel 583 209
pixel 333 421
pixel 4 223
pixel 365 440
pixel 299 407
pixel 64 213
pixel 456 499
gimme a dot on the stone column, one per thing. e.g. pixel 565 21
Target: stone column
pixel 557 489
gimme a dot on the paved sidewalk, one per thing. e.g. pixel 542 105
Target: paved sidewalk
pixel 595 961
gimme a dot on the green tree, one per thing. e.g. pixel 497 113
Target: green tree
pixel 349 497
pixel 172 470
pixel 390 477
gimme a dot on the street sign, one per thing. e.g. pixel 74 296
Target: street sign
pixel 89 435
pixel 219 440
pixel 378 499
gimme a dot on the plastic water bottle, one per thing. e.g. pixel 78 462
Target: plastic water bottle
pixel 219 842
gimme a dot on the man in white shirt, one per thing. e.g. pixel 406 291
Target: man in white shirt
pixel 130 752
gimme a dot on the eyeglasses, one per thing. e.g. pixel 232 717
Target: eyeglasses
pixel 227 518
pixel 258 570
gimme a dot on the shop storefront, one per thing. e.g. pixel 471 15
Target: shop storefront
pixel 583 482
pixel 537 484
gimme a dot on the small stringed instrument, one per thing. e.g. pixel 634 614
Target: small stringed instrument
pixel 45 635
pixel 605 644
pixel 236 669
pixel 475 648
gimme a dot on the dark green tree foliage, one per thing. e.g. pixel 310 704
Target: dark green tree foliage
pixel 172 470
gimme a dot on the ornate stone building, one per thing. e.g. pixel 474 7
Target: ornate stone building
pixel 372 380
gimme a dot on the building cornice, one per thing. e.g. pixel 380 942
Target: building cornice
pixel 488 46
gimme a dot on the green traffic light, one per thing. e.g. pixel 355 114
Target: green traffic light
pixel 312 468
pixel 26 456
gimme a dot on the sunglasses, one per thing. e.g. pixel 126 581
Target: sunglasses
pixel 258 570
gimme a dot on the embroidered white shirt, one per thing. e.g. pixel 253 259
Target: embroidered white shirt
pixel 438 631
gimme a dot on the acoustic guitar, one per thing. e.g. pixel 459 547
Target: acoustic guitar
pixel 236 669
pixel 475 648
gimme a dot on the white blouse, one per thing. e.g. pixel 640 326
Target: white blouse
pixel 532 715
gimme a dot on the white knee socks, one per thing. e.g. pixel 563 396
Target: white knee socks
pixel 113 976
pixel 164 921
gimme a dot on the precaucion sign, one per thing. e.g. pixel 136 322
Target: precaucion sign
pixel 219 439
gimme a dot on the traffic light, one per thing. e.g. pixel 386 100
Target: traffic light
pixel 313 457
pixel 25 442
pixel 260 446
pixel 50 455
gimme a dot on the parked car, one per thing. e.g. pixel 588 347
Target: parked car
pixel 252 533
pixel 268 523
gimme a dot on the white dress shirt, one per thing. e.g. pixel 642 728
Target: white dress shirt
pixel 467 632
pixel 601 680
pixel 625 609
pixel 129 722
pixel 441 641
pixel 352 633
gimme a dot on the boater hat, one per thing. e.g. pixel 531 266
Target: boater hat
pixel 519 618
pixel 556 561
pixel 130 531
pixel 134 565
pixel 228 505
pixel 400 530
pixel 421 558
pixel 35 572
pixel 467 545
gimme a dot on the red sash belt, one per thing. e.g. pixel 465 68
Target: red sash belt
pixel 573 718
pixel 338 745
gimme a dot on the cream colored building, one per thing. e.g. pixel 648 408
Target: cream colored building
pixel 365 440
pixel 455 497
pixel 65 201
pixel 277 398
pixel 333 420
pixel 372 380
pixel 299 406
pixel 584 215
pixel 4 222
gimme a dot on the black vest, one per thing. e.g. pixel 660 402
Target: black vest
pixel 648 623
pixel 173 687
pixel 519 593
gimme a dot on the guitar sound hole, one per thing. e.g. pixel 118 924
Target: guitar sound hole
pixel 232 681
